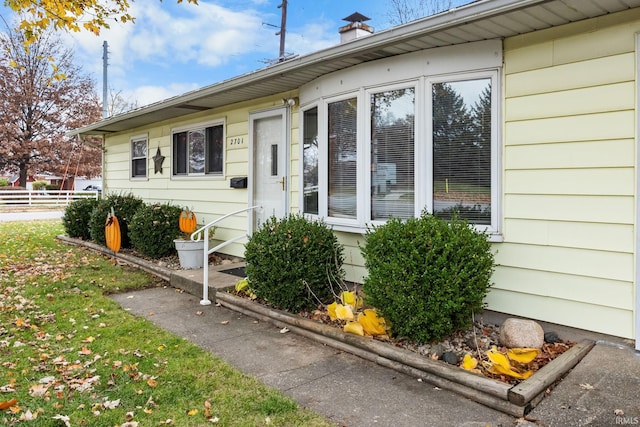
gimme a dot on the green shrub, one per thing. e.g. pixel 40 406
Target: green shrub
pixel 39 185
pixel 76 218
pixel 4 182
pixel 426 276
pixel 291 262
pixel 153 228
pixel 124 206
pixel 53 187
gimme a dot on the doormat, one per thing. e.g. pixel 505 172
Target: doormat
pixel 237 271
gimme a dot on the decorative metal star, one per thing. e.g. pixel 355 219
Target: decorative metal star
pixel 158 159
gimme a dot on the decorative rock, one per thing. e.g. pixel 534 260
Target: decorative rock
pixel 438 350
pixel 521 333
pixel 450 357
pixel 551 337
pixel 472 343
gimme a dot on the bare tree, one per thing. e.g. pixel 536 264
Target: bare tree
pixel 44 95
pixel 117 104
pixel 403 11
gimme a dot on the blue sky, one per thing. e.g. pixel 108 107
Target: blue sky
pixel 175 48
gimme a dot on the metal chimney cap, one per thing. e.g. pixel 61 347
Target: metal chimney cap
pixel 356 17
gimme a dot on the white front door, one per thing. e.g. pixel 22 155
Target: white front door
pixel 269 178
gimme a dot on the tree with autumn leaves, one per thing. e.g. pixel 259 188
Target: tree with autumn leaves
pixel 44 95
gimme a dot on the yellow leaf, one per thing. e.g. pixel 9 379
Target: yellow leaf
pixel 522 355
pixel 498 358
pixel 371 322
pixel 148 411
pixel 152 383
pixel 469 362
pixel 331 310
pixel 348 298
pixel 354 328
pixel 500 370
pixel 192 412
pixel 241 285
pixel 344 312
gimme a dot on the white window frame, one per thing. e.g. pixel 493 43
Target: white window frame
pixel 423 176
pixel 494 228
pixel 133 139
pixel 194 127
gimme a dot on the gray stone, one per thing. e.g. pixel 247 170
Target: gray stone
pixel 438 350
pixel 450 357
pixel 551 337
pixel 521 333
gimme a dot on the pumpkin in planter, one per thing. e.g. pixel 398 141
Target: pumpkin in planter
pixel 188 222
pixel 112 232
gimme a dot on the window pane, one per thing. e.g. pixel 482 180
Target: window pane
pixel 462 150
pixel 180 153
pixel 215 149
pixel 139 148
pixel 342 138
pixel 140 168
pixel 310 160
pixel 196 151
pixel 392 154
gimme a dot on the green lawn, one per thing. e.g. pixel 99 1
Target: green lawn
pixel 70 356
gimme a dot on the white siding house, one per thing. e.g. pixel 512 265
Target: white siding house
pixel 544 160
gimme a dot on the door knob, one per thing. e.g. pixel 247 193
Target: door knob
pixel 283 182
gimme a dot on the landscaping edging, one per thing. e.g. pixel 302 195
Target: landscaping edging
pixel 515 400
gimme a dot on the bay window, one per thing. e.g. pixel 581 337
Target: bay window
pixel 396 150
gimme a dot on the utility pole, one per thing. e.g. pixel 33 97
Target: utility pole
pixel 105 63
pixel 283 29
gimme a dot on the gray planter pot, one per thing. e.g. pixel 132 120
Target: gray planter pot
pixel 190 253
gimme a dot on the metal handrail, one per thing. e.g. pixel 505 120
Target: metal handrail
pixel 204 231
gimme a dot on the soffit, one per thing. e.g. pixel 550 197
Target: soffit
pixel 481 20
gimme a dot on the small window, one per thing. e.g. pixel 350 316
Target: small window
pixel 310 160
pixel 139 157
pixel 199 151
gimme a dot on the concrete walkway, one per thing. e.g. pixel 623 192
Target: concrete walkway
pixel 603 389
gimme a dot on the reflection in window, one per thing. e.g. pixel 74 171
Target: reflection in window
pixel 199 151
pixel 392 154
pixel 462 150
pixel 342 139
pixel 139 158
pixel 310 160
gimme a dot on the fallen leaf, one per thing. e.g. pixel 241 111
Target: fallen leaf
pixel 618 412
pixel 224 322
pixel 284 330
pixel 63 418
pixel 7 404
pixel 152 383
pixel 586 386
pixel 192 412
pixel 469 362
pixel 522 355
pixel 199 313
pixel 354 328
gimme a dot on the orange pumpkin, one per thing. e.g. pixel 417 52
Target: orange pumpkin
pixel 112 232
pixel 188 222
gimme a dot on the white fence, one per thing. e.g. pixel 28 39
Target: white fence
pixel 43 198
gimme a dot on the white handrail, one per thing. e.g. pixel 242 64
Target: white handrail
pixel 204 231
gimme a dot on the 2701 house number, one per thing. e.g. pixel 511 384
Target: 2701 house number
pixel 236 141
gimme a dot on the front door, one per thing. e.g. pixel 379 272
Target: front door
pixel 270 180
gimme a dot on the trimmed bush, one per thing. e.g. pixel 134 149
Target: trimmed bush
pixel 4 182
pixel 153 228
pixel 76 218
pixel 426 276
pixel 39 185
pixel 291 262
pixel 125 207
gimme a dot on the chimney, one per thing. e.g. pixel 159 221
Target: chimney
pixel 355 29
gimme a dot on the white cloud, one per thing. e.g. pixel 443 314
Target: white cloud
pixel 145 95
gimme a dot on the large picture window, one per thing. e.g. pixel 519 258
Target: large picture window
pixel 199 151
pixel 394 151
pixel 139 157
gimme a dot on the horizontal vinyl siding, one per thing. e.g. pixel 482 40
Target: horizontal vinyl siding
pixel 209 196
pixel 569 177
